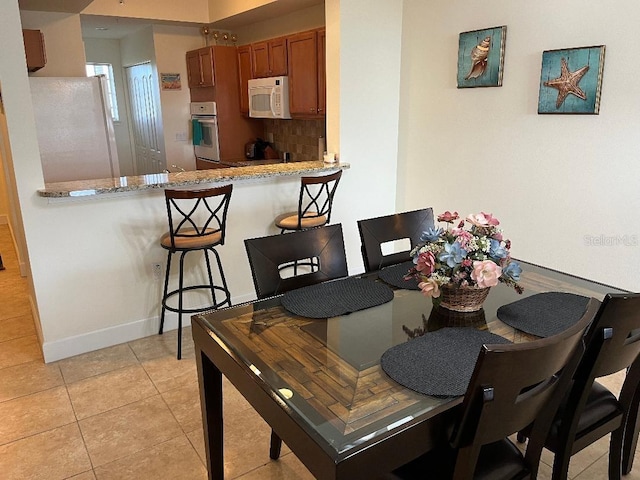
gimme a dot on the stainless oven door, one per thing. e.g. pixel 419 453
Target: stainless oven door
pixel 205 137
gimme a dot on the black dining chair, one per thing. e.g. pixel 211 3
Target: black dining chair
pixel 267 255
pixel 374 232
pixel 512 386
pixel 325 245
pixel 590 411
pixel 197 223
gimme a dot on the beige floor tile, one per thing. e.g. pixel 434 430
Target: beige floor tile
pixel 165 345
pixel 34 413
pixel 51 455
pixel 97 362
pixel 28 378
pixel 20 350
pixel 168 373
pixel 84 476
pixel 16 327
pixel 100 393
pixel 15 300
pixel 583 459
pixel 172 460
pixel 184 403
pixel 125 430
pixel 288 467
pixel 233 401
pixel 196 438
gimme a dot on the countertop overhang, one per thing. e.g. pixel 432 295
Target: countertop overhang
pixel 83 188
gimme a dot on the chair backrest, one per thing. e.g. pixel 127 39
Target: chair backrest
pixel 374 232
pixel 197 216
pixel 516 385
pixel 316 196
pixel 267 254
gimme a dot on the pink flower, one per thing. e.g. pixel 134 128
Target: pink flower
pixel 426 263
pixel 486 273
pixel 482 219
pixel 463 237
pixel 448 217
pixel 498 236
pixel 430 288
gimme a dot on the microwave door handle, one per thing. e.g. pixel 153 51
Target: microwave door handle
pixel 273 102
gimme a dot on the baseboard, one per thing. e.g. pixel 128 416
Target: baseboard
pixel 108 337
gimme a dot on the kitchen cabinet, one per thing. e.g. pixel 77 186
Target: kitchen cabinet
pixel 306 63
pixel 200 68
pixel 34 49
pixel 269 58
pixel 244 74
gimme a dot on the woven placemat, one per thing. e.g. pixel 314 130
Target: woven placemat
pixel 438 363
pixel 394 275
pixel 544 314
pixel 339 297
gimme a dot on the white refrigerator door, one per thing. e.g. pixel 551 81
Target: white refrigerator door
pixel 74 128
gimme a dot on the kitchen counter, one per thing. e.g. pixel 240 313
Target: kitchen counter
pixel 252 170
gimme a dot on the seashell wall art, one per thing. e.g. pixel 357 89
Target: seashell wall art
pixel 481 57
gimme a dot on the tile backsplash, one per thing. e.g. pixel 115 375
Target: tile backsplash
pixel 298 137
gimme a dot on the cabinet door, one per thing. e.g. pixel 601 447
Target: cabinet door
pixel 244 74
pixel 200 67
pixel 302 53
pixel 34 49
pixel 194 71
pixel 278 57
pixel 322 72
pixel 260 59
pixel 206 64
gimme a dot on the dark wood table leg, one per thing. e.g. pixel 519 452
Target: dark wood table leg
pixel 211 404
pixel 276 446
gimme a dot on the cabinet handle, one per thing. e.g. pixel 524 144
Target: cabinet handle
pixel 312 110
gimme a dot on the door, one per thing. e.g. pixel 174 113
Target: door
pixel 144 113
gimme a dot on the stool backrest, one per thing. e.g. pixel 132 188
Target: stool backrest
pixel 374 232
pixel 316 196
pixel 197 214
pixel 267 254
pixel 515 385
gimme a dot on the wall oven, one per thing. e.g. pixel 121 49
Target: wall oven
pixel 204 121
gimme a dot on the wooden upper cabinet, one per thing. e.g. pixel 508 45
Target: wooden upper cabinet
pixel 200 67
pixel 269 58
pixel 306 73
pixel 322 72
pixel 244 74
pixel 34 49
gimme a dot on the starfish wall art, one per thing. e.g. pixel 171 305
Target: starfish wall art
pixel 571 80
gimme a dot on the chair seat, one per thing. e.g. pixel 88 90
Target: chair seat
pixel 499 460
pixel 601 404
pixel 289 220
pixel 209 239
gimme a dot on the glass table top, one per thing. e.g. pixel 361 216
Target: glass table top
pixel 328 371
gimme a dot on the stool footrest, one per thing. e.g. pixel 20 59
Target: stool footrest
pixel 227 299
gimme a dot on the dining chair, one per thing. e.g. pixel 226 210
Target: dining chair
pixel 197 222
pixel 375 232
pixel 512 386
pixel 267 254
pixel 590 411
pixel 315 203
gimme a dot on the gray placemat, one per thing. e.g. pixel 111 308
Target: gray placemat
pixel 394 275
pixel 338 297
pixel 544 314
pixel 438 363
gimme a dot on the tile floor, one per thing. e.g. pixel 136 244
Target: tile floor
pixel 132 411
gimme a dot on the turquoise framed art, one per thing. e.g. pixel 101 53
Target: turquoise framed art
pixel 481 57
pixel 571 80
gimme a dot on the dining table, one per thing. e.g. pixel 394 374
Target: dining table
pixel 319 383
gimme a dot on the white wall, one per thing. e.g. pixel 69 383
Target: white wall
pixel 102 50
pixel 555 181
pixel 62 40
pixel 298 21
pixel 192 11
pixel 170 44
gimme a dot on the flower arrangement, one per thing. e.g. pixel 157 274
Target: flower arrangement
pixel 477 257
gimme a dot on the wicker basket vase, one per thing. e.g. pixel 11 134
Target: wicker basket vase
pixel 462 299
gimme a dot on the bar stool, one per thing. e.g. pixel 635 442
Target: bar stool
pixel 197 222
pixel 314 210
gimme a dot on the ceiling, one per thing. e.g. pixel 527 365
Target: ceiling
pixel 95 26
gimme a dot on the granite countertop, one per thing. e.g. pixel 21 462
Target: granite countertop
pixel 78 188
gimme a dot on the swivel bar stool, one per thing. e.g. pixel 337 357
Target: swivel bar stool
pixel 197 222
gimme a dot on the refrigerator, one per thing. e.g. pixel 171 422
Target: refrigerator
pixel 74 128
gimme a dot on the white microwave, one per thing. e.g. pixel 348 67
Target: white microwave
pixel 269 97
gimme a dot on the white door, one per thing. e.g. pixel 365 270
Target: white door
pixel 149 157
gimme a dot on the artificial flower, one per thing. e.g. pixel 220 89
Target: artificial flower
pixel 453 254
pixel 430 288
pixel 431 234
pixel 426 263
pixel 448 217
pixel 512 270
pixel 486 273
pixel 482 219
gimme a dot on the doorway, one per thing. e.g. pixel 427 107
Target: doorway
pixel 144 114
